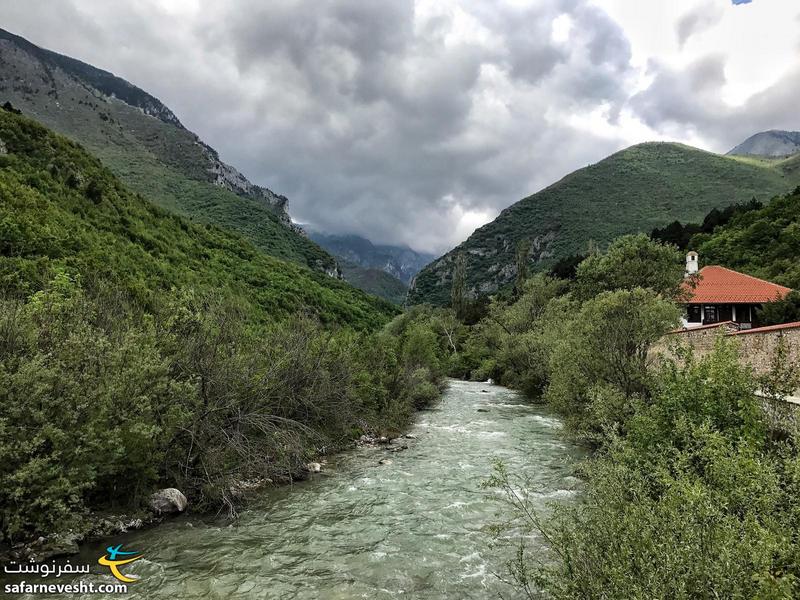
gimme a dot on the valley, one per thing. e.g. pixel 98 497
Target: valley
pixel 594 395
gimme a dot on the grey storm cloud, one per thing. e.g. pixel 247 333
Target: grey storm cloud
pixel 689 100
pixel 404 121
pixel 697 20
pixel 390 137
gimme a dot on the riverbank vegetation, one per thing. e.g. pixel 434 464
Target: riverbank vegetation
pixel 688 492
pixel 139 350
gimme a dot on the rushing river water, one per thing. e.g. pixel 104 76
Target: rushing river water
pixel 414 528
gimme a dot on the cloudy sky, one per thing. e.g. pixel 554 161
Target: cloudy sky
pixel 417 121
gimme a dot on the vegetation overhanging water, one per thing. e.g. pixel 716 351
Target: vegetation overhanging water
pixel 414 527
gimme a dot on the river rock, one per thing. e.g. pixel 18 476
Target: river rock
pixel 398 448
pixel 384 461
pixel 483 410
pixel 313 467
pixel 410 436
pixel 168 501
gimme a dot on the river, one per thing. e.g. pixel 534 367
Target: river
pixel 414 528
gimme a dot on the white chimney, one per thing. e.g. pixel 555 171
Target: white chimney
pixel 691 263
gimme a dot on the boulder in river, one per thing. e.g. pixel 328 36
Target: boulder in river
pixel 168 501
pixel 483 410
pixel 410 436
pixel 384 461
pixel 313 467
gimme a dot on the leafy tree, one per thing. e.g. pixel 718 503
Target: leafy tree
pixel 632 261
pixel 785 310
pixel 566 268
pixel 458 298
pixel 523 248
pixel 606 344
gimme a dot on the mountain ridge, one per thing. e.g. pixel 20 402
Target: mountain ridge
pixel 144 143
pixel 774 143
pixel 400 262
pixel 633 190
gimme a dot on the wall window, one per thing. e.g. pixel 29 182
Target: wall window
pixel 709 314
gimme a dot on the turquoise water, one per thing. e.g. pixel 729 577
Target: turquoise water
pixel 414 528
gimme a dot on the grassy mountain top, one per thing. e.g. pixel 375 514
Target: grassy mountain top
pixel 146 146
pixel 634 190
pixel 61 210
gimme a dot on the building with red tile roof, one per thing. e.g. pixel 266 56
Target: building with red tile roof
pixel 717 294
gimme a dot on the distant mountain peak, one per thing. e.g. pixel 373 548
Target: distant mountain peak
pixel 774 143
pixel 398 261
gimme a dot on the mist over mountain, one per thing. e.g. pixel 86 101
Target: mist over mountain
pixel 401 262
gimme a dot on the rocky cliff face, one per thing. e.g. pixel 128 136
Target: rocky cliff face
pixel 74 97
pixel 769 144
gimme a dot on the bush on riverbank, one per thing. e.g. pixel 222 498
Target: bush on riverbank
pixel 695 500
pixel 688 494
pixel 101 402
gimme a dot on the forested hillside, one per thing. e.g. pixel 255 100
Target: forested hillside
pixel 140 350
pixel 146 146
pixel 63 211
pixel 761 239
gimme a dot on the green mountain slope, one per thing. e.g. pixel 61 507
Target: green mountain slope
pixel 764 243
pixel 635 190
pixel 61 210
pixel 146 146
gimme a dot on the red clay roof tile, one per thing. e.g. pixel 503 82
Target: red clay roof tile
pixel 717 285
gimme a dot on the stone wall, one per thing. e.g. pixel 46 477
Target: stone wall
pixel 757 347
